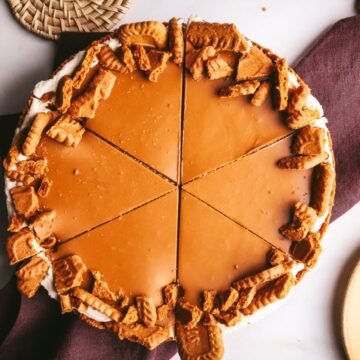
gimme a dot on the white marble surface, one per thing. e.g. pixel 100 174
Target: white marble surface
pixel 307 325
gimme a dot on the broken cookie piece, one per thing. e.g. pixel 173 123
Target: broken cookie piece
pixel 127 57
pixel 91 300
pixel 84 67
pixel 262 277
pixel 15 223
pixel 64 94
pixel 100 88
pixel 261 94
pixel 176 41
pixel 230 317
pixel 245 298
pixel 25 200
pixel 68 273
pixel 65 303
pixel 209 297
pixel 302 162
pixel 131 315
pixel 218 68
pixel 254 65
pixel 309 141
pixel 267 295
pixel 228 298
pixel 240 89
pixel 109 60
pixel 147 336
pixel 303 220
pixel 141 58
pixel 158 63
pixel 146 309
pixel 301 118
pixel 188 314
pixel 171 293
pixel 30 275
pixel 27 171
pixel 198 65
pixel 322 188
pixel 21 246
pixel 43 223
pixel 67 131
pixel 44 187
pixel 307 250
pixel 281 88
pixel 101 288
pixel 275 257
pixel 298 98
pixel 219 36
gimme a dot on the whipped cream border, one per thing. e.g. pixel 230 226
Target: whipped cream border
pixel 37 106
pixel 68 67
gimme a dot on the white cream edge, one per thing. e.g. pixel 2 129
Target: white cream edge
pixel 49 85
pixel 48 284
pixel 38 106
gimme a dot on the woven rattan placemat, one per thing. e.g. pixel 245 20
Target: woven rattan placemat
pixel 48 18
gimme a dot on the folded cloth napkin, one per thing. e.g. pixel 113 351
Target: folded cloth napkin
pixel 331 68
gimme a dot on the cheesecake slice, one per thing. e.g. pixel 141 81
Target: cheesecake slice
pixel 255 192
pixel 94 183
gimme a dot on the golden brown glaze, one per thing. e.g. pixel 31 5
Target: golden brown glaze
pixel 217 130
pixel 256 192
pixel 94 183
pixel 136 252
pixel 213 250
pixel 143 118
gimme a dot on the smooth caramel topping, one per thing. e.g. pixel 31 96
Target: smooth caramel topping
pixel 94 183
pixel 233 127
pixel 140 119
pixel 255 192
pixel 213 250
pixel 136 252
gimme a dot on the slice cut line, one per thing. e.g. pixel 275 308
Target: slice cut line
pixel 94 183
pixel 214 250
pixel 145 118
pixel 148 233
pixel 255 192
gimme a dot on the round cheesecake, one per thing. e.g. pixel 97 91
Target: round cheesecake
pixel 169 181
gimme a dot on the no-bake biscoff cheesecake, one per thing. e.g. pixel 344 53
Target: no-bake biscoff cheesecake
pixel 169 181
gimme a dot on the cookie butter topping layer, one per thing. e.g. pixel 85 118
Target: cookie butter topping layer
pixel 246 80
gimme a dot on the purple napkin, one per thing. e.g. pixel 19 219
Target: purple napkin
pixel 35 328
pixel 332 70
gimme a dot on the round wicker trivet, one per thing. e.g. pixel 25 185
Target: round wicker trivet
pixel 48 18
